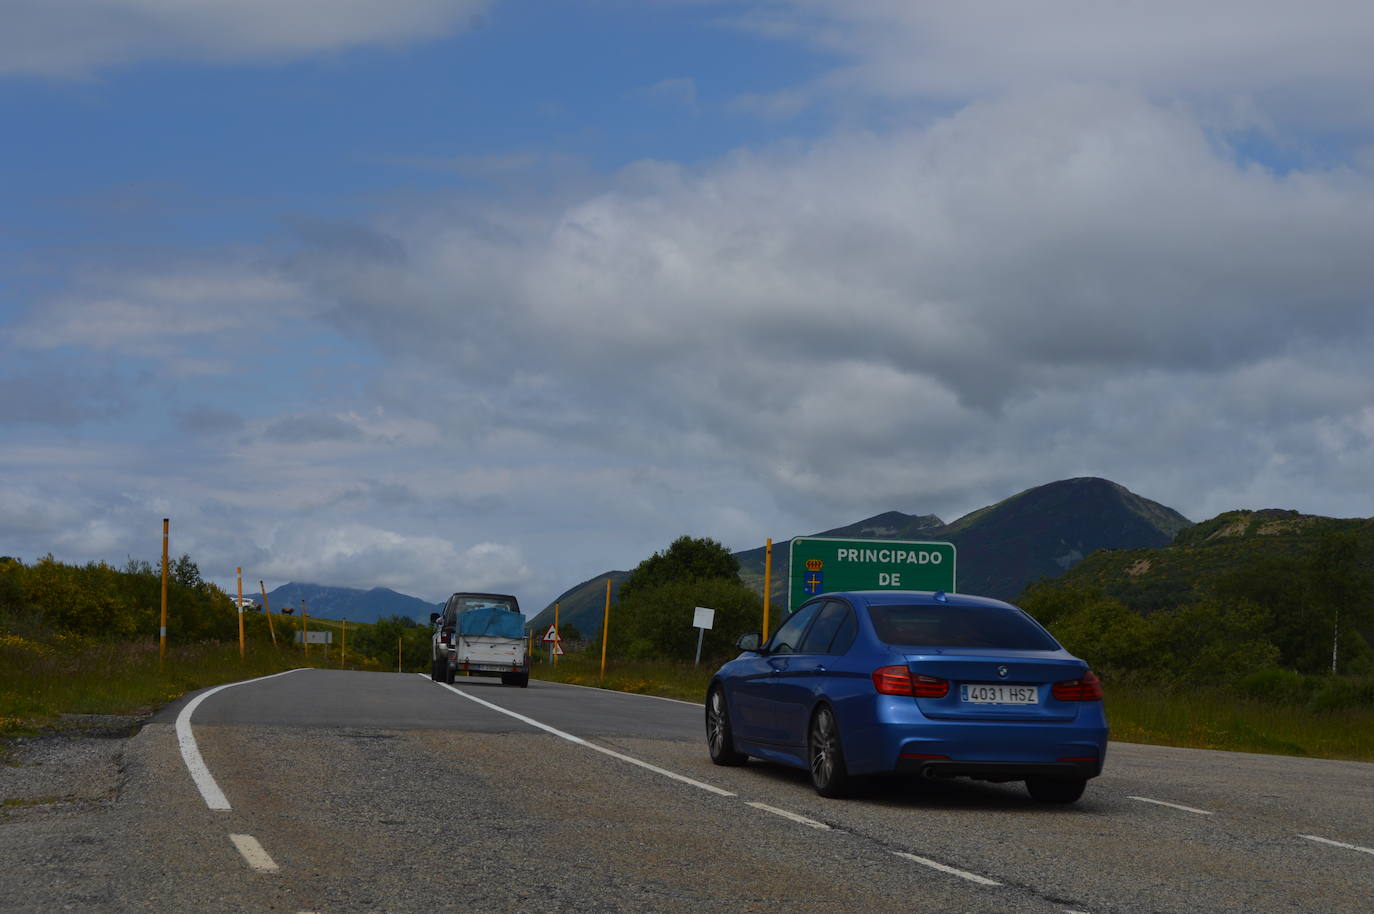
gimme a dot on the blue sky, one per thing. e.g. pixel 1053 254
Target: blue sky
pixel 492 294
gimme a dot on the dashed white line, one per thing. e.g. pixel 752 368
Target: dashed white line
pixel 582 742
pixel 1200 812
pixel 190 752
pixel 962 874
pixel 1349 847
pixel 253 853
pixel 803 820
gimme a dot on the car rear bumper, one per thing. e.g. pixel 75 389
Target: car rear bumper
pixel 904 740
pixel 999 771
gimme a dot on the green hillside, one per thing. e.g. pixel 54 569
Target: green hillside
pixel 584 605
pixel 1149 580
pixel 1002 548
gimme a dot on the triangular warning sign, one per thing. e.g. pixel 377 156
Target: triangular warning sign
pixel 551 634
pixel 558 648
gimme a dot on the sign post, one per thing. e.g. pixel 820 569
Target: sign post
pixel 554 641
pixel 702 619
pixel 825 565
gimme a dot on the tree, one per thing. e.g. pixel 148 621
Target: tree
pixel 656 622
pixel 687 559
pixel 1339 586
pixel 185 572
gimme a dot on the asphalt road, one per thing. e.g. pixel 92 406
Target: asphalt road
pixel 388 792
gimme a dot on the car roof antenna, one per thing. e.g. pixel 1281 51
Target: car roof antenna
pixel 940 597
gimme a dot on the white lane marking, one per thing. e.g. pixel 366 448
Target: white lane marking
pixel 190 752
pixel 573 685
pixel 1201 812
pixel 582 742
pixel 789 815
pixel 1350 847
pixel 971 877
pixel 253 853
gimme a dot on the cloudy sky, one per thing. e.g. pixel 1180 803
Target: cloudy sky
pixel 500 294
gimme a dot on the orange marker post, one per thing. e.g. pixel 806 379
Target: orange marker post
pixel 767 584
pixel 162 631
pixel 268 610
pixel 243 650
pixel 605 627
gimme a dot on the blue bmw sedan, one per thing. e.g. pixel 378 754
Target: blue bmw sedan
pixel 931 684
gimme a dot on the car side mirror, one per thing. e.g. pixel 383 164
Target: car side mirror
pixel 434 617
pixel 749 642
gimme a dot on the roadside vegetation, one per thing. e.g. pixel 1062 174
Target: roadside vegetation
pixel 82 640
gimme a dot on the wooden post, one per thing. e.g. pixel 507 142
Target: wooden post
pixel 305 629
pixel 267 609
pixel 162 631
pixel 243 650
pixel 343 650
pixel 552 655
pixel 767 585
pixel 605 627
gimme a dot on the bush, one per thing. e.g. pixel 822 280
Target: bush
pixel 656 622
pixel 1275 686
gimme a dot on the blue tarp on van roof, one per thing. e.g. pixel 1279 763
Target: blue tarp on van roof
pixel 492 622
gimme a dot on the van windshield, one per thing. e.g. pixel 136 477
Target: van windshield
pixel 959 626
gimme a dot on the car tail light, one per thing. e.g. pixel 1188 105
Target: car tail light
pixel 443 639
pixel 1086 688
pixel 898 680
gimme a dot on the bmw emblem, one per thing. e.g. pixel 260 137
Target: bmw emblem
pixel 1003 671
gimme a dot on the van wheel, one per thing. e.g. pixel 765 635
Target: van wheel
pixel 436 670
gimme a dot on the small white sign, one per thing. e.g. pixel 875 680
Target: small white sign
pixel 558 648
pixel 315 637
pixel 704 618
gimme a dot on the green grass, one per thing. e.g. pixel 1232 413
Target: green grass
pixel 40 680
pixel 1138 713
pixel 1217 719
pixel 645 677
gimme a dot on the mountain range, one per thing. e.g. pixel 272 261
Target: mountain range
pixel 1038 533
pixel 345 602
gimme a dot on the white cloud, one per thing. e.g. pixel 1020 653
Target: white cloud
pixel 156 313
pixel 1309 60
pixel 74 37
pixel 873 317
pixel 363 555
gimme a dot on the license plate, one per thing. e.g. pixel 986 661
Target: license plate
pixel 996 693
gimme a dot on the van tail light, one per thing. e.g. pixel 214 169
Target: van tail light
pixel 898 680
pixel 443 639
pixel 1086 688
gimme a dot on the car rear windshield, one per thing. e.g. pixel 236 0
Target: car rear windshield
pixel 959 626
pixel 466 603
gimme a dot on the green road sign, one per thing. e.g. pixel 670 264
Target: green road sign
pixel 823 565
